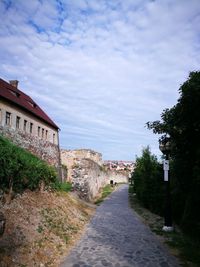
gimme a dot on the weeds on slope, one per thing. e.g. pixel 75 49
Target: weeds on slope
pixel 106 191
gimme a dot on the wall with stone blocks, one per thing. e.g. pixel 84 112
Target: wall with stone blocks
pixel 68 155
pixel 43 149
pixel 87 174
pixel 118 177
pixel 69 158
pixel 87 178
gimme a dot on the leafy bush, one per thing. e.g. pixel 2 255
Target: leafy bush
pixel 148 181
pixel 20 169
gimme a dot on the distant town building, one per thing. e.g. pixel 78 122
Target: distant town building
pixel 26 124
pixel 119 165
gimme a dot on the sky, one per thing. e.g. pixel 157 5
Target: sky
pixel 101 69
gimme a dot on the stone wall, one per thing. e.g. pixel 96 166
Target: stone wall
pixel 43 149
pixel 70 157
pixel 87 173
pixel 118 177
pixel 87 178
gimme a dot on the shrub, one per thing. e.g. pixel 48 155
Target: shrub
pixel 20 169
pixel 148 181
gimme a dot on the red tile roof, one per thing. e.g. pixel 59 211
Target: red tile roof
pixel 17 97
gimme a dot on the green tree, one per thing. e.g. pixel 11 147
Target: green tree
pixel 182 124
pixel 148 184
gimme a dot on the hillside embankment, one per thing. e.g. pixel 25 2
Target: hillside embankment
pixel 41 227
pixel 42 221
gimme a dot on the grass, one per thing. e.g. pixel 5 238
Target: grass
pixel 56 223
pixel 106 191
pixel 65 187
pixel 181 245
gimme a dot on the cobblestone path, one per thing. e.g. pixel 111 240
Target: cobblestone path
pixel 116 237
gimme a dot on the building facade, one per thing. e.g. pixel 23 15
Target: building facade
pixel 27 125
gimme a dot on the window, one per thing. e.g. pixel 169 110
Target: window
pixel 8 118
pixel 54 138
pixel 46 137
pixel 42 133
pixel 17 122
pixel 25 125
pixel 31 127
pixel 38 130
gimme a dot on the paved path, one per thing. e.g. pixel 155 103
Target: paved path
pixel 116 237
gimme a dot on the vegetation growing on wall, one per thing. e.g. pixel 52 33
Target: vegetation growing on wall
pixel 21 170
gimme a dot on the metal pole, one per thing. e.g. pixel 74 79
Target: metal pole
pixel 167 205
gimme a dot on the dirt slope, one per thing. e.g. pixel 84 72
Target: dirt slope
pixel 41 227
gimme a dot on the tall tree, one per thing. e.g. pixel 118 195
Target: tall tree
pixel 182 123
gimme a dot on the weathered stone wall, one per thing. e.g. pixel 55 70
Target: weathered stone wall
pixel 41 148
pixel 69 158
pixel 87 173
pixel 87 178
pixel 80 154
pixel 118 177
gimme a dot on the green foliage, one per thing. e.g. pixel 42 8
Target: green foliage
pixel 20 169
pixel 131 189
pixel 102 168
pixel 182 124
pixel 106 191
pixel 148 181
pixel 64 187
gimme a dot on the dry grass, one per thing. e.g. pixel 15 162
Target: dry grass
pixel 41 228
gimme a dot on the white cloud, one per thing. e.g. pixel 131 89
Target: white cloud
pixel 101 69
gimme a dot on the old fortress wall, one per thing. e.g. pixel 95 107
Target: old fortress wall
pixel 84 170
pixel 88 173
